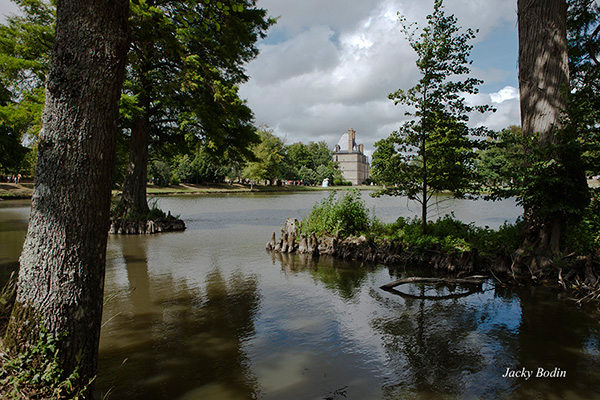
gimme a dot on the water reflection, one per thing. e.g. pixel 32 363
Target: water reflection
pixel 570 344
pixel 431 346
pixel 208 314
pixel 14 216
pixel 165 340
pixel 343 277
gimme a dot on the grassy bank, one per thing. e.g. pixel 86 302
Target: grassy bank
pixel 183 189
pixel 16 190
pixel 25 190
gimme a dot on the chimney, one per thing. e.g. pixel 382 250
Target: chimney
pixel 351 135
pixel 361 148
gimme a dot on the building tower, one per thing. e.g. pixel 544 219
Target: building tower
pixel 351 159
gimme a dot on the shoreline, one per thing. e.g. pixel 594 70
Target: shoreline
pixel 22 191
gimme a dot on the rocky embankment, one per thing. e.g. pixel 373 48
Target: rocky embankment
pixel 383 251
pixel 132 227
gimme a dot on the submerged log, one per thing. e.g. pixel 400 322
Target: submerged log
pixel 430 297
pixel 475 280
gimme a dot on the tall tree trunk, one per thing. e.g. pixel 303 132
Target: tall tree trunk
pixel 543 66
pixel 61 277
pixel 424 188
pixel 543 82
pixel 133 200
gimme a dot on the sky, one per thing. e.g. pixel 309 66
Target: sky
pixel 329 65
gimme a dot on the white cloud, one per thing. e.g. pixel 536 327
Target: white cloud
pixel 7 8
pixel 329 66
pixel 507 93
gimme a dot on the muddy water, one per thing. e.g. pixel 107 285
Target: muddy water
pixel 208 314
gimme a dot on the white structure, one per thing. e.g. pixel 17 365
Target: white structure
pixel 352 161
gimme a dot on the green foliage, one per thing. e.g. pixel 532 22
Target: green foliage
pixel 347 216
pixel 311 162
pixel 583 38
pixel 155 213
pixel 433 152
pixel 551 171
pixel 36 373
pixel 267 154
pixel 7 299
pixel 12 153
pixel 307 175
pixel 185 66
pixel 160 173
pixel 584 236
pixel 198 170
pixel 186 61
pixel 502 158
pixel 341 182
pixel 449 234
pixel 25 47
pixel 175 180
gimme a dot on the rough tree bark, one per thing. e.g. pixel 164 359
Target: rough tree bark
pixel 133 200
pixel 543 65
pixel 543 83
pixel 61 277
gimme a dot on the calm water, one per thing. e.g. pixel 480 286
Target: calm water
pixel 208 314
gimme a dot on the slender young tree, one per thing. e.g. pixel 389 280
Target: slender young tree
pixel 61 277
pixel 433 151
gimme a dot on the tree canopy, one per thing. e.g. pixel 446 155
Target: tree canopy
pixel 25 49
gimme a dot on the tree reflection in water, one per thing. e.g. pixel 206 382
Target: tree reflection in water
pixel 431 347
pixel 195 335
pixel 343 277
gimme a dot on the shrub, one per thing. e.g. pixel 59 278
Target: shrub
pixel 160 173
pixel 347 215
pixel 450 234
pixel 340 182
pixel 175 180
pixel 36 373
pixel 584 236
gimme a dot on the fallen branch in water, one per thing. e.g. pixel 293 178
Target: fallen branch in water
pixel 473 280
pixel 432 297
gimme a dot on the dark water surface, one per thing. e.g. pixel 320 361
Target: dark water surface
pixel 208 314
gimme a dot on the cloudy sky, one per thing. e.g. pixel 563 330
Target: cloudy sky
pixel 328 65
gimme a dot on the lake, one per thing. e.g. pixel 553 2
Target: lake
pixel 209 314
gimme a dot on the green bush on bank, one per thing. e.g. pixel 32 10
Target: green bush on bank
pixel 349 216
pixel 449 234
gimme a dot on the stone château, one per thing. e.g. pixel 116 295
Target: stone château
pixel 351 158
